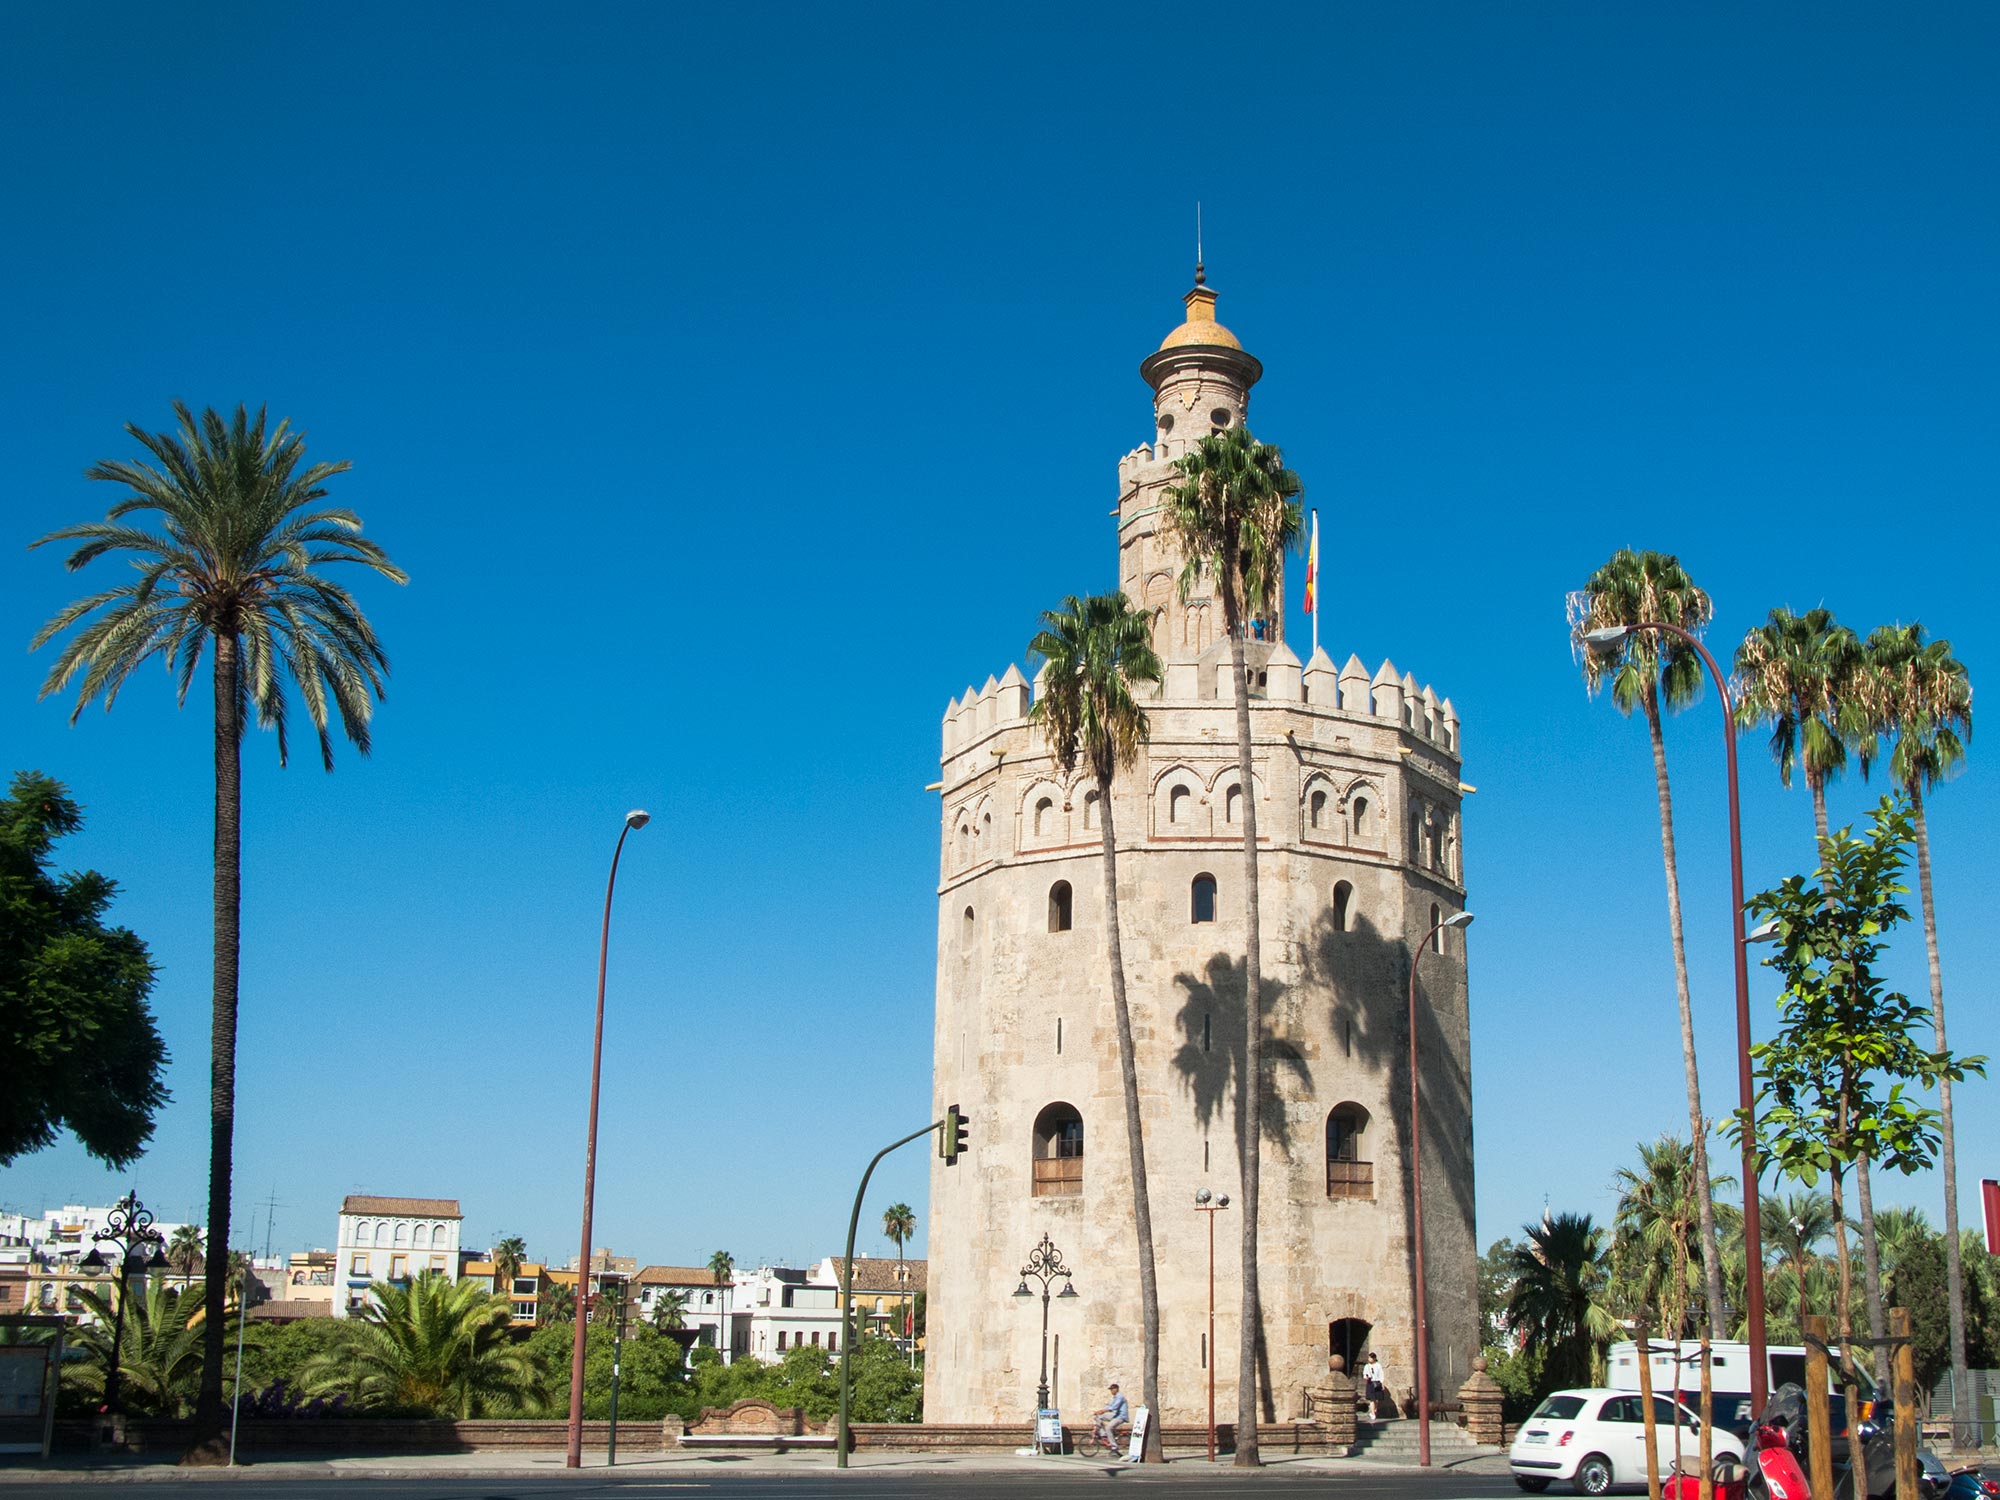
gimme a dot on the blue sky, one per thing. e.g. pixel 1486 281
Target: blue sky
pixel 737 383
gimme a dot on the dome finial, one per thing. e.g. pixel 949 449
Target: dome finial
pixel 1200 275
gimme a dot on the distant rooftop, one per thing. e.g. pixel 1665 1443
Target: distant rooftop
pixel 428 1208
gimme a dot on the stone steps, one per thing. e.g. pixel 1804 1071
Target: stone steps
pixel 1398 1440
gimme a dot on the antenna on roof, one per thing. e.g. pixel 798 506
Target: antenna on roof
pixel 1200 275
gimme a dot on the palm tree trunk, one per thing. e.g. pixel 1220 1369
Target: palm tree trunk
pixel 1961 1394
pixel 1711 1254
pixel 228 904
pixel 1251 1084
pixel 1135 1139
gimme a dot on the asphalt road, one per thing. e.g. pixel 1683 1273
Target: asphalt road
pixel 1219 1483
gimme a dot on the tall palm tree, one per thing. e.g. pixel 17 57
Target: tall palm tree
pixel 1654 672
pixel 159 1349
pixel 434 1344
pixel 1797 1223
pixel 507 1258
pixel 722 1266
pixel 1098 651
pixel 1556 1304
pixel 899 1222
pixel 1233 515
pixel 1803 674
pixel 184 1249
pixel 1919 692
pixel 670 1309
pixel 558 1303
pixel 235 568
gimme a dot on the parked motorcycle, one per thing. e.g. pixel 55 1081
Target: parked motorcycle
pixel 1776 1442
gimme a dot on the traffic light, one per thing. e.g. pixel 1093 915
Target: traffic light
pixel 951 1139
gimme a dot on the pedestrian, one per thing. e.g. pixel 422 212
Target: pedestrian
pixel 1375 1384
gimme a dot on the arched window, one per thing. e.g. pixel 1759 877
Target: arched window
pixel 1045 817
pixel 1416 838
pixel 1316 809
pixel 1090 811
pixel 986 833
pixel 1360 817
pixel 1058 1163
pixel 1343 906
pixel 364 1233
pixel 1177 806
pixel 967 929
pixel 402 1234
pixel 1349 1172
pixel 1232 805
pixel 1202 899
pixel 1059 906
pixel 964 842
pixel 781 1341
pixel 1443 933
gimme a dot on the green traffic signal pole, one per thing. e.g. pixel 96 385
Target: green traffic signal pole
pixel 847 1284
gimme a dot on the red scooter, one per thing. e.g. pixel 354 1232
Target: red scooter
pixel 1775 1472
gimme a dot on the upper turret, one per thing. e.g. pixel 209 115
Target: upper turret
pixel 1200 375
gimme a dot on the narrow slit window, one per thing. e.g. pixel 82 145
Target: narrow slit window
pixel 1202 899
pixel 1059 906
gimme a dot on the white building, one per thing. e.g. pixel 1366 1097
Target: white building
pixel 391 1239
pixel 705 1309
pixel 787 1309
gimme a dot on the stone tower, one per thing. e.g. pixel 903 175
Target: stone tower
pixel 1357 781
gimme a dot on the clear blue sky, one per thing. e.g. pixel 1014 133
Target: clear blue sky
pixel 736 383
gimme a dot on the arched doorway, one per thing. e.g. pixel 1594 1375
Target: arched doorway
pixel 1348 1338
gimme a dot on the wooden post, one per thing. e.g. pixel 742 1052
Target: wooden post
pixel 1819 1424
pixel 1904 1364
pixel 1707 1422
pixel 1644 1344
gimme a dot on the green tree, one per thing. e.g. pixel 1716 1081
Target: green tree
pixel 1098 651
pixel 433 1345
pixel 652 1377
pixel 1844 1033
pixel 1654 1250
pixel 508 1257
pixel 1496 1281
pixel 1918 1282
pixel 234 570
pixel 81 1047
pixel 558 1303
pixel 1896 1230
pixel 184 1249
pixel 670 1311
pixel 899 1223
pixel 1804 676
pixel 159 1350
pixel 1918 692
pixel 722 1266
pixel 1233 516
pixel 1658 674
pixel 1796 1224
pixel 1556 1306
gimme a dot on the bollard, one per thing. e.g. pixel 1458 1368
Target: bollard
pixel 1904 1364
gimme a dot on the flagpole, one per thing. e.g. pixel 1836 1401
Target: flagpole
pixel 1312 578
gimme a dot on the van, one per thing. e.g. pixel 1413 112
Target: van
pixel 1729 1379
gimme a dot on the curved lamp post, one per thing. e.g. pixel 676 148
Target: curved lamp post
pixel 637 818
pixel 1460 920
pixel 1609 639
pixel 129 1226
pixel 1210 1207
pixel 1045 1264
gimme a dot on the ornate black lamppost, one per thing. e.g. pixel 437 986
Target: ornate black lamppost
pixel 1045 1264
pixel 129 1227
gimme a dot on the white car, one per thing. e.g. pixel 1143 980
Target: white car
pixel 1596 1439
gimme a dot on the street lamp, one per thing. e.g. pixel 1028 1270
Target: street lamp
pixel 1461 920
pixel 1203 1204
pixel 1045 1264
pixel 1608 639
pixel 637 818
pixel 618 1291
pixel 129 1226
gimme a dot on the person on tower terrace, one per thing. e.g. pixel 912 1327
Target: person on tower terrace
pixel 1109 1416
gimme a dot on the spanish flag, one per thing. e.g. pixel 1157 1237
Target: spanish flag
pixel 1312 568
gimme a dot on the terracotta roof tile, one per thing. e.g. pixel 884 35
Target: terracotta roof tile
pixel 427 1208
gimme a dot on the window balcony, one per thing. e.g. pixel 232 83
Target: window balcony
pixel 1350 1179
pixel 1058 1177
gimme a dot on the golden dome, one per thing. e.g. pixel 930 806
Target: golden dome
pixel 1200 327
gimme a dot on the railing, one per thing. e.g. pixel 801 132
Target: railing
pixel 1350 1179
pixel 1058 1176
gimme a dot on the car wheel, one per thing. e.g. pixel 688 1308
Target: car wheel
pixel 1532 1483
pixel 1593 1475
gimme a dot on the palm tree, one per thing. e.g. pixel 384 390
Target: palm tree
pixel 184 1249
pixel 1896 1230
pixel 558 1303
pixel 1919 692
pixel 899 1223
pixel 1797 1223
pixel 234 568
pixel 1556 1304
pixel 1656 1230
pixel 722 1266
pixel 670 1310
pixel 1804 676
pixel 507 1258
pixel 1653 671
pixel 159 1351
pixel 1232 516
pixel 1098 650
pixel 434 1344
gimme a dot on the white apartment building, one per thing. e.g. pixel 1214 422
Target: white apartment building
pixel 391 1239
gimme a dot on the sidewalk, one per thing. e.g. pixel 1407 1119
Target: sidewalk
pixel 83 1468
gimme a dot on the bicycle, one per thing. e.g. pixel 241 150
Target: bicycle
pixel 1087 1444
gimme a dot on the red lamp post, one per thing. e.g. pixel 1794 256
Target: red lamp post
pixel 637 818
pixel 1609 638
